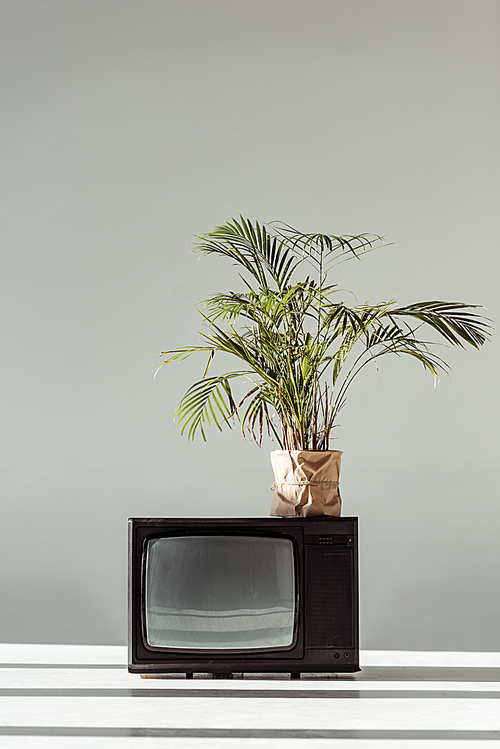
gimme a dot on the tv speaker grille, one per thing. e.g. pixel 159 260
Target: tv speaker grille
pixel 329 598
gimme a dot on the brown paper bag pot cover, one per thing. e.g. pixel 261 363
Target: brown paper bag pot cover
pixel 306 482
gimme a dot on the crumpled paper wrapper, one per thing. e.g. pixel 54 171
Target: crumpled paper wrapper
pixel 306 483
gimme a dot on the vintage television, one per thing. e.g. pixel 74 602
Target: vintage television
pixel 243 595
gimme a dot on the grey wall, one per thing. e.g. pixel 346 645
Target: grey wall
pixel 128 126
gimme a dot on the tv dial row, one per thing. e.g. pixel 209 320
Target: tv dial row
pixel 337 540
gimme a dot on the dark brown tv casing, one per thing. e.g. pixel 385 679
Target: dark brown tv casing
pixel 326 569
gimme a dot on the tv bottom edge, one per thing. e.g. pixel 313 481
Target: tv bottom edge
pixel 352 669
pixel 283 668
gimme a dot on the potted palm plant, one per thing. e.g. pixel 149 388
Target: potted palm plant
pixel 299 347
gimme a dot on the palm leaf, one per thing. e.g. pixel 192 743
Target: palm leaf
pixel 251 247
pixel 208 401
pixel 453 320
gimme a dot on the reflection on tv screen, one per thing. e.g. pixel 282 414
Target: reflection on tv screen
pixel 219 592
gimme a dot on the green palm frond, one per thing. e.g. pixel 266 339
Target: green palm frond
pixel 453 320
pixel 327 248
pixel 207 401
pixel 257 414
pixel 265 257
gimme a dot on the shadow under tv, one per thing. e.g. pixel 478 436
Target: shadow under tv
pixel 243 595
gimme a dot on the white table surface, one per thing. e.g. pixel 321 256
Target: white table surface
pixel 82 696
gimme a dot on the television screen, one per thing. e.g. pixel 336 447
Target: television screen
pixel 210 592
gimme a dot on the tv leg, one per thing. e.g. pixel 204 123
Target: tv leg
pixel 189 676
pixel 295 675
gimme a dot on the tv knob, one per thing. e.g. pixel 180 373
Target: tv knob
pixel 336 655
